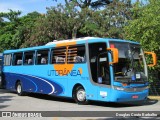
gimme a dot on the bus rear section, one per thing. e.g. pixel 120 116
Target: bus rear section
pixel 123 80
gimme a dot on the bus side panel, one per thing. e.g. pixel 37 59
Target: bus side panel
pixel 12 78
pixel 31 80
pixel 104 93
pixel 84 80
pixel 93 91
pixel 8 80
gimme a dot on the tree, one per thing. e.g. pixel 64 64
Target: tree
pixel 115 17
pixel 106 22
pixel 25 30
pixel 146 27
pixel 53 25
pixel 88 3
pixel 8 29
pixel 74 19
pixel 68 21
pixel 11 15
pixel 16 31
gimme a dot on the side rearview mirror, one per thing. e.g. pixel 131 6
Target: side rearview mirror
pixel 153 58
pixel 114 55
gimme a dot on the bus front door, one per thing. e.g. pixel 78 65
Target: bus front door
pixel 103 76
pixel 99 66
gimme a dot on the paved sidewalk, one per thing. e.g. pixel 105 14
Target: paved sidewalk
pixel 154 97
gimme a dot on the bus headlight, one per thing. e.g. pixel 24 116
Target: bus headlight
pixel 118 88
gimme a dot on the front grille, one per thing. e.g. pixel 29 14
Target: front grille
pixel 134 89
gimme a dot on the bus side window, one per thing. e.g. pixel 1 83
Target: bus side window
pixel 7 59
pixel 59 55
pixel 76 54
pixel 42 57
pixel 29 58
pixel 17 59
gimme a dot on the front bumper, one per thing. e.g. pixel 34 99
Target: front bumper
pixel 123 96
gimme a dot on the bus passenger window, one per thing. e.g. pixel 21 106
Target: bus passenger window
pixel 17 59
pixel 42 57
pixel 59 55
pixel 76 54
pixel 7 60
pixel 29 58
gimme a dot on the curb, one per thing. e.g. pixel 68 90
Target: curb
pixel 154 97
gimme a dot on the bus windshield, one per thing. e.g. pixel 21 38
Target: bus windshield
pixel 131 65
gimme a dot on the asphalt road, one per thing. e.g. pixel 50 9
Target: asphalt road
pixel 10 101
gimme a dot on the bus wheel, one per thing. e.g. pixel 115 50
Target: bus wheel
pixel 80 95
pixel 19 89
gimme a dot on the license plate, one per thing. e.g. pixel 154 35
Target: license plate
pixel 135 96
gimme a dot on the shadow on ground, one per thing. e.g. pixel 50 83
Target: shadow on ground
pixel 4 98
pixel 51 98
pixel 126 104
pixel 95 103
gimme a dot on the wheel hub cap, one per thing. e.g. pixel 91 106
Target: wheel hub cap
pixel 19 89
pixel 81 95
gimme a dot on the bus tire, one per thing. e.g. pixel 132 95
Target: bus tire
pixel 79 95
pixel 19 89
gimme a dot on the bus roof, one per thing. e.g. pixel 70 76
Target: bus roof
pixel 65 42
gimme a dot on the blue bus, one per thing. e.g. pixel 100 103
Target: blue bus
pixel 84 69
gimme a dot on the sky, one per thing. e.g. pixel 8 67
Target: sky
pixel 27 6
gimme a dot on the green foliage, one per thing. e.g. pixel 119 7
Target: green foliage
pixel 26 28
pixel 88 3
pixel 8 29
pixel 11 15
pixel 145 28
pixel 74 19
pixel 15 31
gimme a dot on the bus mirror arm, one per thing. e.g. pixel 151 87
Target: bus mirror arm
pixel 153 58
pixel 114 55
